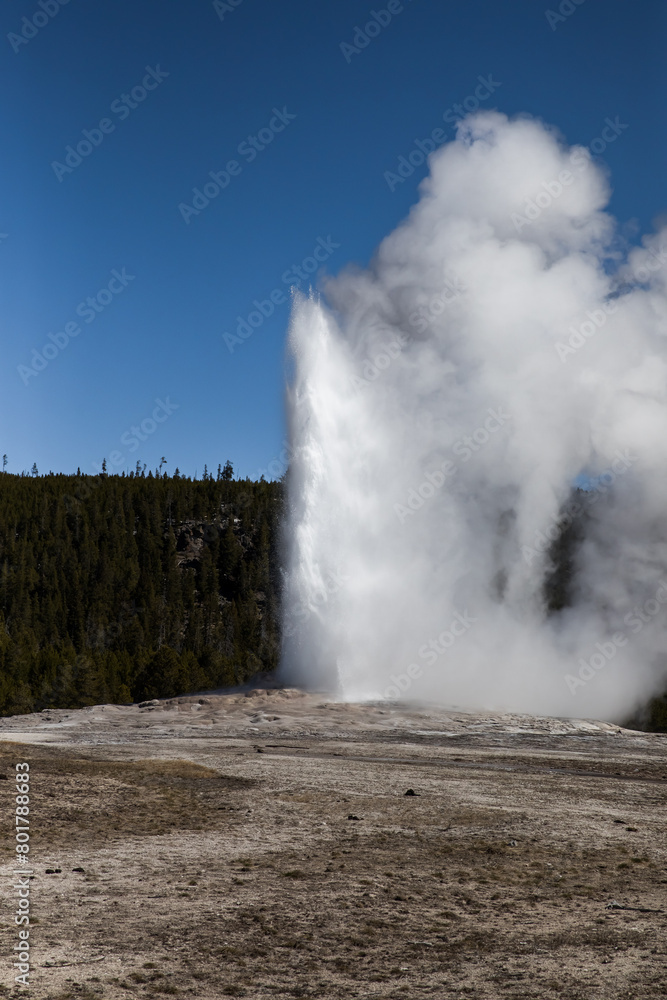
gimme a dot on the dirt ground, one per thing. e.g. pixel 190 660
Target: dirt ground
pixel 261 844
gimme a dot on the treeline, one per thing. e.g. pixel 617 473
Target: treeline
pixel 122 588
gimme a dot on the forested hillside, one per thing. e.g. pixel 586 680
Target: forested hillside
pixel 121 588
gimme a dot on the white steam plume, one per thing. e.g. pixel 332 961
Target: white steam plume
pixel 502 342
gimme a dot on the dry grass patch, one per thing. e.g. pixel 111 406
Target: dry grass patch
pixel 83 801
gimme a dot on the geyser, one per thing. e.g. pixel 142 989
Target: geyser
pixel 504 341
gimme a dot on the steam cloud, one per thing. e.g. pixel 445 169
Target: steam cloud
pixel 504 341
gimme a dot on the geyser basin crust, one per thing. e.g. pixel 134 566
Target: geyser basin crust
pixel 191 863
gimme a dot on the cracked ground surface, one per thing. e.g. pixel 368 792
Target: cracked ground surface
pixel 260 844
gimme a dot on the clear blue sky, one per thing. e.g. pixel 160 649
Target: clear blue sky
pixel 321 177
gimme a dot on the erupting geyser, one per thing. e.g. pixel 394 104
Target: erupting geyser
pixel 504 341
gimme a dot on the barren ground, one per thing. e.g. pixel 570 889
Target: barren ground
pixel 260 844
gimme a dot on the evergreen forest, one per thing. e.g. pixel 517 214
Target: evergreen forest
pixel 124 588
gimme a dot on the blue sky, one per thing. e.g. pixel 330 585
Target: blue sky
pixel 303 129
